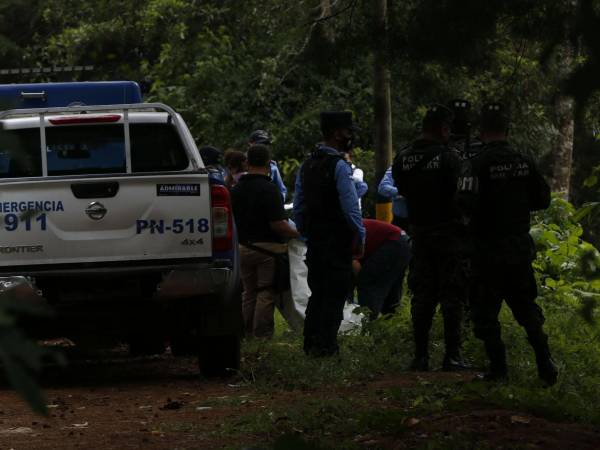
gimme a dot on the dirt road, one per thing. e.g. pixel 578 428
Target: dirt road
pixel 161 403
pixel 120 403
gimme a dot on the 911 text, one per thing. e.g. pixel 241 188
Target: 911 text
pixel 12 222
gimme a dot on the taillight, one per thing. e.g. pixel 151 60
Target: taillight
pixel 222 219
pixel 84 118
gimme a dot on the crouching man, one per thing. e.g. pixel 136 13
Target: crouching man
pixel 262 229
pixel 380 272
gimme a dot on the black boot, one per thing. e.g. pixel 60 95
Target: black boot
pixel 497 354
pixel 547 369
pixel 453 361
pixel 420 362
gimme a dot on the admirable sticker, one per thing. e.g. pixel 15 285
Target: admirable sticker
pixel 180 190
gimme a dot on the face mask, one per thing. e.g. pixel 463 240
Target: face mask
pixel 348 143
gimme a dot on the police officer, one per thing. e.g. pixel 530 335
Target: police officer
pixel 460 130
pixel 505 186
pixel 467 147
pixel 358 176
pixel 388 189
pixel 326 212
pixel 426 174
pixel 261 137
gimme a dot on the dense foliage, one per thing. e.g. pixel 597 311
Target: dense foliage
pixel 230 67
pixel 567 265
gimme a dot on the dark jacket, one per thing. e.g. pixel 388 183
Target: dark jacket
pixel 504 187
pixel 426 174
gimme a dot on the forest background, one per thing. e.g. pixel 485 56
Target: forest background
pixel 230 67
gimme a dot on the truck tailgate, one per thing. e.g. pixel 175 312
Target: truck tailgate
pixel 121 218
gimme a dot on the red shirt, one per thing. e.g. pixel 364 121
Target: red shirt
pixel 378 233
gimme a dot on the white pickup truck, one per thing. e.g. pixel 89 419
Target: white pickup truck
pixel 112 218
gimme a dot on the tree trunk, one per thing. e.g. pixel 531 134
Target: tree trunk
pixel 562 151
pixel 324 28
pixel 563 147
pixel 383 107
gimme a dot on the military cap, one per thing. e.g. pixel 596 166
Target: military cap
pixel 495 116
pixel 260 137
pixel 438 115
pixel 337 120
pixel 462 116
pixel 458 104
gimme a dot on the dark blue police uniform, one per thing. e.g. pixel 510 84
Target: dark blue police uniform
pixel 326 212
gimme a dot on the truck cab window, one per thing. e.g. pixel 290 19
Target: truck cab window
pixel 156 147
pixel 20 155
pixel 85 149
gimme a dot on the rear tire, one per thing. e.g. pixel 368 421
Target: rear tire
pixel 146 345
pixel 184 343
pixel 219 356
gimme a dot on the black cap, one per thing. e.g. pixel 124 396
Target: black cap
pixel 260 137
pixel 211 156
pixel 438 115
pixel 494 117
pixel 462 116
pixel 336 120
pixel 459 104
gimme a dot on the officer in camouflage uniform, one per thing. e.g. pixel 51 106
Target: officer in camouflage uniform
pixel 468 147
pixel 505 186
pixel 460 130
pixel 426 174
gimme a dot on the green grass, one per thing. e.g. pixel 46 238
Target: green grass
pixel 331 403
pixel 385 347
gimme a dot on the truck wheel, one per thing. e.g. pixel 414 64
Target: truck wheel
pixel 146 345
pixel 219 356
pixel 184 343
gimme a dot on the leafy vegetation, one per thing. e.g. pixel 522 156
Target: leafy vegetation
pixel 567 265
pixel 569 280
pixel 230 68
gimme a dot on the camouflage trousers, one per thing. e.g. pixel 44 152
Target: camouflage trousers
pixel 438 276
pixel 503 272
